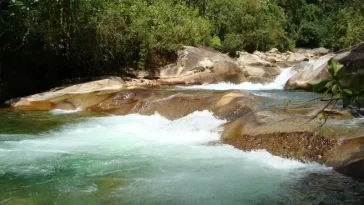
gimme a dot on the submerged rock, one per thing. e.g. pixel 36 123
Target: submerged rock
pixel 18 201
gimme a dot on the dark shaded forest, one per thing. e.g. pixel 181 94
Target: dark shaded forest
pixel 45 43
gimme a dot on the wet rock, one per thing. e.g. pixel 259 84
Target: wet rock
pixel 288 132
pixel 304 146
pixel 355 169
pixel 295 133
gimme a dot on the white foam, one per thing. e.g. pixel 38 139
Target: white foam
pixel 277 84
pixel 65 112
pixel 280 163
pixel 138 136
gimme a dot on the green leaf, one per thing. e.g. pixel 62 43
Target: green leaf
pixel 334 88
pixel 337 68
pixel 334 67
pixel 347 91
pixel 331 67
pixel 321 85
pixel 17 3
pixel 336 96
pixel 325 93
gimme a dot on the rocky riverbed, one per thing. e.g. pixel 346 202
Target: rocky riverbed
pixel 287 130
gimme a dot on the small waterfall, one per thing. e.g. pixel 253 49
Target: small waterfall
pixel 277 84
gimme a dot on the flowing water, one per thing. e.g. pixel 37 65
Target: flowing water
pixel 277 84
pixel 63 157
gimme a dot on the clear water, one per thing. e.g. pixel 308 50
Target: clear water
pixel 63 157
pixel 77 158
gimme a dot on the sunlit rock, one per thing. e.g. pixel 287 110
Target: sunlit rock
pixel 309 74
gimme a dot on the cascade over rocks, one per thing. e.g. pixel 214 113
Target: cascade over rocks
pixel 310 73
pixel 257 69
pixel 204 66
pixel 287 132
pixel 252 123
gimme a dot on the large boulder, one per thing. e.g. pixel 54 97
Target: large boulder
pixel 296 57
pixel 204 66
pixel 172 104
pixel 208 73
pixel 309 73
pixel 201 66
pixel 352 60
pixel 296 133
pixel 257 69
pixel 191 58
pixel 76 96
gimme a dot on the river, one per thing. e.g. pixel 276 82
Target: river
pixel 61 157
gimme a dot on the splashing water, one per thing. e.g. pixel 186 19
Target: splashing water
pixel 277 84
pixel 122 134
pixel 65 112
pixel 138 159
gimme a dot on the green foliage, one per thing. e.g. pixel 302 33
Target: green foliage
pixel 49 41
pixel 344 87
pixel 247 24
pixel 233 42
pixel 151 32
pixel 346 30
pixel 215 43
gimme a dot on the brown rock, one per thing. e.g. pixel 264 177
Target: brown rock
pixel 309 74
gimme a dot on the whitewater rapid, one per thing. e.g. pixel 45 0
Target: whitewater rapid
pixel 134 135
pixel 137 159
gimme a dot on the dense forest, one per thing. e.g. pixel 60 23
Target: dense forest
pixel 44 42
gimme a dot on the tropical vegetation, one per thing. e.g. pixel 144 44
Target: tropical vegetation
pixel 44 42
